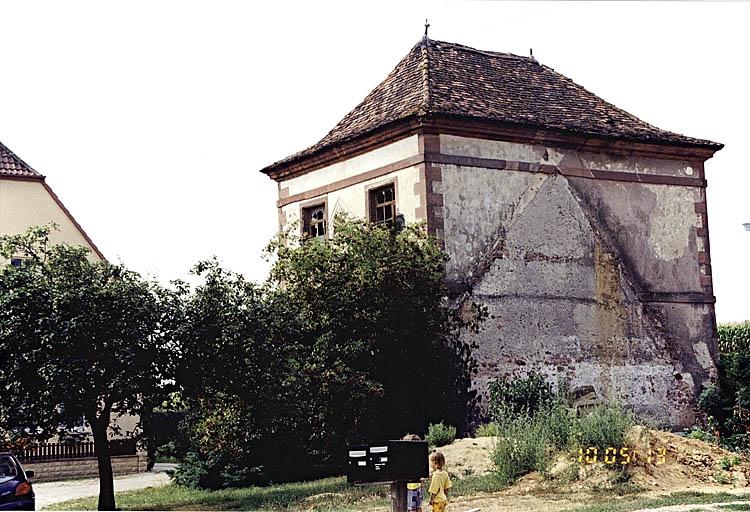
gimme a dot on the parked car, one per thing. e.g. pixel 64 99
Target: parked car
pixel 16 492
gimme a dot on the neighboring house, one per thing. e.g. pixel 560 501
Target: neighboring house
pixel 27 200
pixel 582 228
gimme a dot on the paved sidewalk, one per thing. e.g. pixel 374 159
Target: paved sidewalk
pixel 48 493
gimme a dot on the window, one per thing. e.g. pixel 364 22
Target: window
pixel 314 221
pixel 19 262
pixel 383 204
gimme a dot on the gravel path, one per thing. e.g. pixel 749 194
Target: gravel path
pixel 48 493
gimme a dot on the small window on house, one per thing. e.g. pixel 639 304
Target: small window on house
pixel 314 221
pixel 19 262
pixel 383 204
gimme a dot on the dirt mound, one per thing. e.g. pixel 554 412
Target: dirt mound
pixel 464 457
pixel 656 460
pixel 678 462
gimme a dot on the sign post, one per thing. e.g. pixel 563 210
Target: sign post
pixel 398 496
pixel 393 462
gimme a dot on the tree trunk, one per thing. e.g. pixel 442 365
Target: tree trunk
pixel 101 446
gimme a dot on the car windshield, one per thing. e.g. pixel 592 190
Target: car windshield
pixel 7 469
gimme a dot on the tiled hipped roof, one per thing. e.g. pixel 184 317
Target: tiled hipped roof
pixel 11 165
pixel 451 79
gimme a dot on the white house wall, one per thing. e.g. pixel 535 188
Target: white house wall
pixel 24 204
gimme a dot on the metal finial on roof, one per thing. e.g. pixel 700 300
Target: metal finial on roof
pixel 426 26
pixel 531 52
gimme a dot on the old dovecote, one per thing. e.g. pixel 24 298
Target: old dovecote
pixel 583 229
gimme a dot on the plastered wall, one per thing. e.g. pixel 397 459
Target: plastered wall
pixel 28 203
pixel 600 284
pixel 346 186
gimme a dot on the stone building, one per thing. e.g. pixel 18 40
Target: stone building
pixel 582 228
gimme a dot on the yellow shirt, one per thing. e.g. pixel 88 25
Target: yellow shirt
pixel 439 484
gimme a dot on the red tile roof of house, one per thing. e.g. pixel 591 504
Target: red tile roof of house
pixel 11 165
pixel 443 78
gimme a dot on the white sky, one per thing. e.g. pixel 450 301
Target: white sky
pixel 152 119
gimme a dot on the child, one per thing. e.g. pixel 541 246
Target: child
pixel 413 489
pixel 440 483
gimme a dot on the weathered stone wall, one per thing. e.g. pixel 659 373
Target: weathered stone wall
pixel 600 282
pixel 84 468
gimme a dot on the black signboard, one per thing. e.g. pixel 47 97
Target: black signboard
pixel 389 461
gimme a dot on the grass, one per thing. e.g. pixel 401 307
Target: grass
pixel 678 498
pixel 331 494
pixel 336 495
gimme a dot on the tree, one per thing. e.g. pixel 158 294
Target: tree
pixel 349 339
pixel 81 342
pixel 375 302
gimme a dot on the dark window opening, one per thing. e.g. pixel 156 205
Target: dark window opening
pixel 19 262
pixel 383 204
pixel 314 221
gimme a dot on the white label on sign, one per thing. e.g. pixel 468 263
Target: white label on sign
pixel 378 449
pixel 362 463
pixel 357 453
pixel 383 459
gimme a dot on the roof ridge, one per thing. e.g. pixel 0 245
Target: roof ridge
pixel 488 53
pixel 425 65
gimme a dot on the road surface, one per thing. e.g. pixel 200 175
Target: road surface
pixel 48 493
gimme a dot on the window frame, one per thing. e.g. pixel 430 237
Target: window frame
pixel 305 210
pixel 373 189
pixel 24 261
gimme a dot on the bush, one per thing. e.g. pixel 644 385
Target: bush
pixel 528 443
pixel 602 427
pixel 210 473
pixel 727 406
pixel 522 397
pixel 328 352
pixel 439 434
pixel 487 430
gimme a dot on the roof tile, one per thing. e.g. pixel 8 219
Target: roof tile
pixel 11 165
pixel 437 77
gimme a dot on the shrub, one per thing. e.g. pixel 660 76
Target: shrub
pixel 528 443
pixel 531 442
pixel 602 427
pixel 701 435
pixel 487 430
pixel 727 406
pixel 524 396
pixel 439 434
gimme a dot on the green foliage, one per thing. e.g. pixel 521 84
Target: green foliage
pixel 603 426
pixel 487 430
pixel 519 396
pixel 440 434
pixel 701 435
pixel 80 341
pixel 532 431
pixel 337 347
pixel 734 337
pixel 529 442
pixel 727 405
